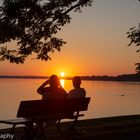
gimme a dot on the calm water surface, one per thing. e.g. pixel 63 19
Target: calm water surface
pixel 106 96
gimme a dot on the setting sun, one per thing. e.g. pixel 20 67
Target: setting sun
pixel 62 74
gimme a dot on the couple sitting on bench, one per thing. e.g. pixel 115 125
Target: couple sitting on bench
pixel 52 90
pixel 56 91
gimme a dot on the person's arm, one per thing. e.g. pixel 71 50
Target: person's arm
pixel 64 92
pixel 84 92
pixel 69 94
pixel 41 88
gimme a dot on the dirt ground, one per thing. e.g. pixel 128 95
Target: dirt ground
pixel 112 128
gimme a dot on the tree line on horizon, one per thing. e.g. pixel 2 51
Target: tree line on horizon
pixel 124 77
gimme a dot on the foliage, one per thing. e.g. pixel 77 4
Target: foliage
pixel 32 25
pixel 137 68
pixel 134 36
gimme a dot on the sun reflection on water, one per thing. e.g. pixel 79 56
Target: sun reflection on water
pixel 62 82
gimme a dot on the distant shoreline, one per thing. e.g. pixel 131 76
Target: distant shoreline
pixel 125 77
pixel 26 77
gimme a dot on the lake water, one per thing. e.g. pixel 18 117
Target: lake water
pixel 106 96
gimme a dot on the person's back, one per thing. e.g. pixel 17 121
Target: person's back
pixel 53 91
pixel 77 92
pixel 56 93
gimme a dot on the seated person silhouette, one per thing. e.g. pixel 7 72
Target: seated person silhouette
pixel 54 90
pixel 50 89
pixel 77 92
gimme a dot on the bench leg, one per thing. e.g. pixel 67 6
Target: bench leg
pixel 13 131
pixel 58 127
pixel 70 130
pixel 29 132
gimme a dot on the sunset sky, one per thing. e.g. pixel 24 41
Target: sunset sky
pixel 97 43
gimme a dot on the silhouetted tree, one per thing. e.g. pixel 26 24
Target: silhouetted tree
pixel 32 25
pixel 134 36
pixel 137 68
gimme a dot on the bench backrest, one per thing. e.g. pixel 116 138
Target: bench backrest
pixel 33 108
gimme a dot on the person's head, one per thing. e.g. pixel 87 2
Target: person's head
pixel 76 81
pixel 54 81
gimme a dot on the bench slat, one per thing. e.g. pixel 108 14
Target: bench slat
pixel 15 121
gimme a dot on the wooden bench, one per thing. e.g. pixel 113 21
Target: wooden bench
pixel 35 112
